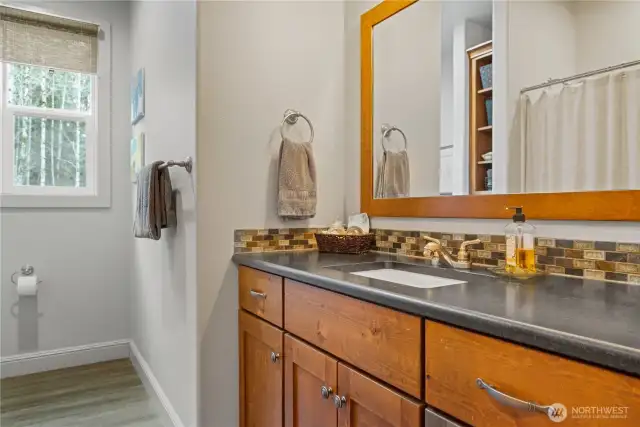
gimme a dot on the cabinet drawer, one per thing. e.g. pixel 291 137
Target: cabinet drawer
pixel 456 359
pixel 261 294
pixel 382 342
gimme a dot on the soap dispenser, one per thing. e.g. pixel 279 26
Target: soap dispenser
pixel 520 237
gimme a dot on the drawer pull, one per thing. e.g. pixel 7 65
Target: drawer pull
pixel 275 357
pixel 339 402
pixel 326 392
pixel 258 295
pixel 513 402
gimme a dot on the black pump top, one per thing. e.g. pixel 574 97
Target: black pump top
pixel 518 216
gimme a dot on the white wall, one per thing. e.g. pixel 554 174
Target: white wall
pixel 459 33
pixel 536 52
pixel 612 231
pixel 82 255
pixel 608 33
pixel 460 93
pixel 542 43
pixel 163 292
pixel 446 117
pixel 255 60
pixel 501 105
pixel 406 91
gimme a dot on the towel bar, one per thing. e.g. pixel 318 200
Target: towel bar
pixel 187 164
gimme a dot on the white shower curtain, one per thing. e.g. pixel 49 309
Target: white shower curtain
pixel 583 136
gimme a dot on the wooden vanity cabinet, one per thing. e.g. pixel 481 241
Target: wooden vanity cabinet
pixel 314 358
pixel 288 382
pixel 261 372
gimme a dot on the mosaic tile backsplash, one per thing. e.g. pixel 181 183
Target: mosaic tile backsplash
pixel 589 259
pixel 612 261
pixel 274 239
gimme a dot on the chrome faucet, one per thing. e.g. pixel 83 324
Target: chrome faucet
pixel 435 247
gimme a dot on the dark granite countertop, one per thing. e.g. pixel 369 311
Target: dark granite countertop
pixel 588 320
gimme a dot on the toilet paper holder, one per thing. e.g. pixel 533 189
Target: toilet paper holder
pixel 26 270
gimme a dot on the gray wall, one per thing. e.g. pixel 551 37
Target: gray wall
pixel 163 291
pixel 255 60
pixel 82 255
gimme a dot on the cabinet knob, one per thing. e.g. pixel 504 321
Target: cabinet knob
pixel 275 357
pixel 326 392
pixel 339 401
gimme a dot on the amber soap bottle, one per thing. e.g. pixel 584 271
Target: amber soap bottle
pixel 520 236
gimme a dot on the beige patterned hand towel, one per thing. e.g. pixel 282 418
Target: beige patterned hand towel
pixel 296 181
pixel 393 175
pixel 155 207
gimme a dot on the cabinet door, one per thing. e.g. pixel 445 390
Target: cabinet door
pixel 310 378
pixel 365 403
pixel 260 373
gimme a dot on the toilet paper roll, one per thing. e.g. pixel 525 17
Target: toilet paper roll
pixel 27 285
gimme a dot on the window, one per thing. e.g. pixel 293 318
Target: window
pixel 52 152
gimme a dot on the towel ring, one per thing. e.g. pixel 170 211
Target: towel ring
pixel 291 118
pixel 386 130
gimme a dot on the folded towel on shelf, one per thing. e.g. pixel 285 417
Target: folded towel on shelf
pixel 393 177
pixel 155 208
pixel 296 181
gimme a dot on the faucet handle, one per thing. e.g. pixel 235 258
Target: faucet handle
pixel 430 250
pixel 431 239
pixel 432 247
pixel 463 255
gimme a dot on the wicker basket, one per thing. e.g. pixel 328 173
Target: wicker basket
pixel 345 244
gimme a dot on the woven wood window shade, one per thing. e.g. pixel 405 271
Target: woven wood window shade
pixel 37 39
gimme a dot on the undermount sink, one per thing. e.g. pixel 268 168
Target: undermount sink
pixel 416 280
pixel 403 274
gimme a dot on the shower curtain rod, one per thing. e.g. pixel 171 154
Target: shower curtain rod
pixel 552 82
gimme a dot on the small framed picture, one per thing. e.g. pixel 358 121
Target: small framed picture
pixel 137 156
pixel 137 97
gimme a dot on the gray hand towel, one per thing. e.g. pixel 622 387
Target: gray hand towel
pixel 393 175
pixel 296 181
pixel 155 208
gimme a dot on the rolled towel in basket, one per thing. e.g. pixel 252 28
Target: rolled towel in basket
pixel 296 181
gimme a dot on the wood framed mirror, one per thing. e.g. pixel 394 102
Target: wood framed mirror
pixel 438 76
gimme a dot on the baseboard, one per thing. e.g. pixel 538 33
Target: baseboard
pixel 151 384
pixel 31 363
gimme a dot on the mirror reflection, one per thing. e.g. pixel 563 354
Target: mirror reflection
pixel 506 97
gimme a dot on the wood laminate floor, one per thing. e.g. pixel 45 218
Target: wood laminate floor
pixel 107 394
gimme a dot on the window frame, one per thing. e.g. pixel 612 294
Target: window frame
pixel 97 193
